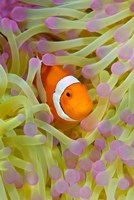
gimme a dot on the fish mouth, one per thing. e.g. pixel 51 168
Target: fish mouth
pixel 81 111
pixel 78 112
pixel 86 108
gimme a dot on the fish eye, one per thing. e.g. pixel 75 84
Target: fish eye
pixel 68 94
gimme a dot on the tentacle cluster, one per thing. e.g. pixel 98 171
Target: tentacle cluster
pixel 94 40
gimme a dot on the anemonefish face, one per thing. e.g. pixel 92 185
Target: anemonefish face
pixel 75 101
pixel 71 100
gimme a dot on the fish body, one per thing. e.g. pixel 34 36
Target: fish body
pixel 67 98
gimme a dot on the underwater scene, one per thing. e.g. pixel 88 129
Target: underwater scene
pixel 66 100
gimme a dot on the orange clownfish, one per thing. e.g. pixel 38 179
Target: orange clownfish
pixel 67 98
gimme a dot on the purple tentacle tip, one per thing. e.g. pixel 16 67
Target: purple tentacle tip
pixel 55 172
pixel 103 90
pixel 34 63
pixel 61 186
pixel 72 176
pixel 30 129
pixel 19 14
pixel 96 5
pixel 77 147
pixel 49 59
pixel 104 128
pixel 88 72
pixel 118 68
pixel 111 9
pixel 51 22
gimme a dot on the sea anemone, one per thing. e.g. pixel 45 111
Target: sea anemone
pixel 94 40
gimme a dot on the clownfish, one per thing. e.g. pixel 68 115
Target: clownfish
pixel 66 96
